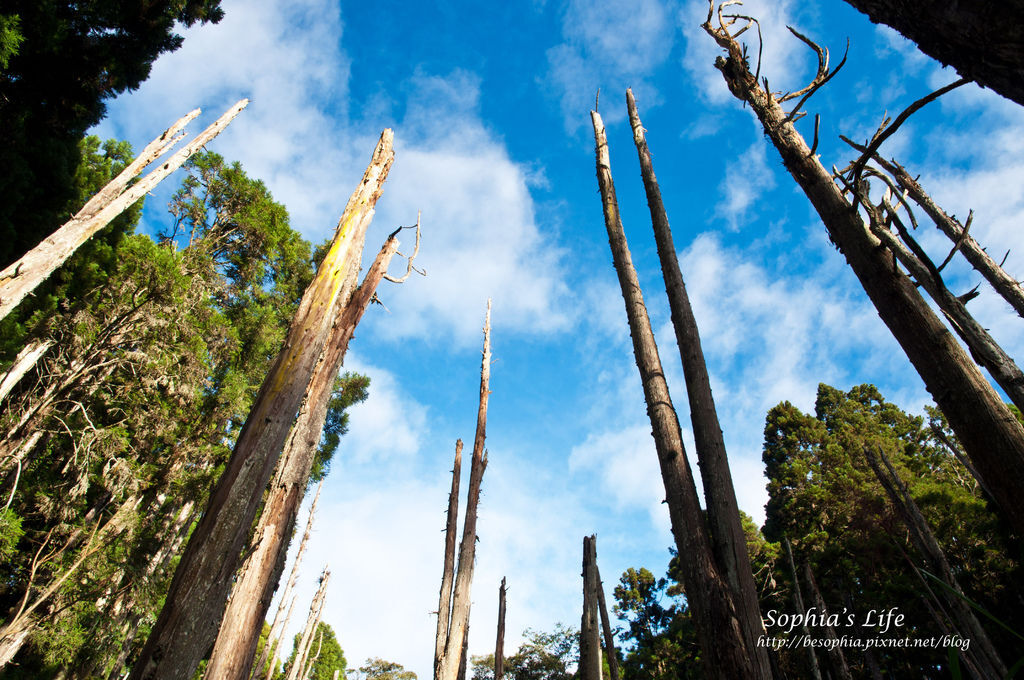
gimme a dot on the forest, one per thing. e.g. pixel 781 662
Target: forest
pixel 201 480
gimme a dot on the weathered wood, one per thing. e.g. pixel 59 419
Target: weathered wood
pixel 590 630
pixel 188 622
pixel 22 277
pixel 451 531
pixel 26 360
pixel 312 621
pixel 610 652
pixel 992 437
pixel 727 537
pixel 448 668
pixel 277 626
pixel 719 633
pixel 982 651
pixel 254 587
pixel 499 643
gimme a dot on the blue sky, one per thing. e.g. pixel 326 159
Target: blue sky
pixel 493 143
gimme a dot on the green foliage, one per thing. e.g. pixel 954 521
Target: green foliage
pixel 63 60
pixel 331 657
pixel 824 496
pixel 349 389
pixel 541 656
pixel 10 533
pixel 379 669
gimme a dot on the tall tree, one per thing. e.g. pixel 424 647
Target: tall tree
pixel 991 435
pixel 721 635
pixel 983 39
pixel 63 60
pixel 195 603
pixel 727 537
pixel 453 660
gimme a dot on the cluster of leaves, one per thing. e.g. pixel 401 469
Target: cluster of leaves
pixel 111 444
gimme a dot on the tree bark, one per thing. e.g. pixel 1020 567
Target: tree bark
pixel 606 626
pixel 448 668
pixel 444 607
pixel 26 360
pixel 499 644
pixel 187 625
pixel 254 588
pixel 278 625
pixel 719 633
pixel 986 658
pixel 590 628
pixel 982 39
pixel 727 537
pixel 991 435
pixel 22 277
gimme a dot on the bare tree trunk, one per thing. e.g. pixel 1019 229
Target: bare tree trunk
pixel 464 654
pixel 590 629
pixel 606 625
pixel 254 588
pixel 309 664
pixel 986 657
pixel 448 668
pixel 991 435
pixel 982 39
pixel 835 651
pixel 26 360
pixel 195 603
pixel 22 277
pixel 312 621
pixel 719 632
pixel 444 607
pixel 499 644
pixel 727 537
pixel 277 626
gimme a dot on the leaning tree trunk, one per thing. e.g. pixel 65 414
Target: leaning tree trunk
pixel 982 39
pixel 719 633
pixel 801 611
pixel 984 653
pixel 254 588
pixel 22 277
pixel 991 435
pixel 606 627
pixel 316 608
pixel 727 536
pixel 454 647
pixel 835 650
pixel 590 626
pixel 187 625
pixel 499 643
pixel 451 537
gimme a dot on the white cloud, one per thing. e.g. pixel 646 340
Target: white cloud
pixel 611 46
pixel 746 179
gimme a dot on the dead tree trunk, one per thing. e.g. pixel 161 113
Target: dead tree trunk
pixel 454 647
pixel 26 360
pixel 187 625
pixel 984 653
pixel 590 627
pixel 992 437
pixel 312 621
pixel 499 644
pixel 983 39
pixel 277 626
pixel 719 633
pixel 798 602
pixel 606 626
pixel 22 277
pixel 835 651
pixel 254 588
pixel 727 536
pixel 444 607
